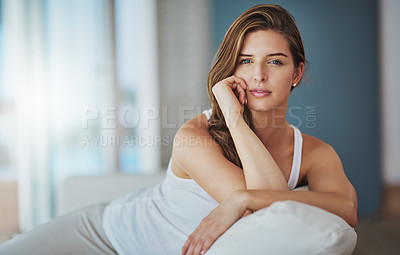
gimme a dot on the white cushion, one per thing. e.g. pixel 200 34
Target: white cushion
pixel 287 227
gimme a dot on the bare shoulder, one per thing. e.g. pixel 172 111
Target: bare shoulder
pixel 317 151
pixel 319 159
pixel 325 171
pixel 189 142
pixel 197 125
pixel 194 133
pixel 196 155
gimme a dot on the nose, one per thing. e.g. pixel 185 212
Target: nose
pixel 260 74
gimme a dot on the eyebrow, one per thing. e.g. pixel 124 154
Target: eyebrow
pixel 269 55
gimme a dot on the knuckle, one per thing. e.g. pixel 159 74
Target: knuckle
pixel 212 237
pixel 206 246
pixel 201 240
pixel 217 225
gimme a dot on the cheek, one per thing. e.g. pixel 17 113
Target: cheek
pixel 286 81
pixel 282 79
pixel 246 76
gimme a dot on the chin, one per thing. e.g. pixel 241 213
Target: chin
pixel 259 107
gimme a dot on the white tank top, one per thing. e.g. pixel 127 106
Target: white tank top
pixel 158 220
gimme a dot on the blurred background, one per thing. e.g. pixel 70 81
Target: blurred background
pixel 100 87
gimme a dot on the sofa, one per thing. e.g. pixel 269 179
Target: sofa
pixel 286 227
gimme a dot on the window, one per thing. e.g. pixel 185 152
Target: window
pixel 74 77
pixel 6 118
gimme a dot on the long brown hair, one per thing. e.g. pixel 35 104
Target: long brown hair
pixel 260 17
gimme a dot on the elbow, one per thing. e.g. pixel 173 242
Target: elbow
pixel 352 217
pixel 352 221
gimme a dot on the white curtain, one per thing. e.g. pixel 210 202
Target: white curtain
pixel 60 68
pixel 138 74
pixel 58 57
pixel 24 73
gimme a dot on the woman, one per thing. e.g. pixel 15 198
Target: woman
pixel 261 59
pixel 234 159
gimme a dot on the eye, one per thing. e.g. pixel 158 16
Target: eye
pixel 245 61
pixel 276 62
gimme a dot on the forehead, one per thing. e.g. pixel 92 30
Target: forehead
pixel 265 42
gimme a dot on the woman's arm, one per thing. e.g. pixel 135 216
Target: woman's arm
pixel 216 223
pixel 235 206
pixel 200 156
pixel 329 190
pixel 329 201
pixel 329 187
pixel 259 167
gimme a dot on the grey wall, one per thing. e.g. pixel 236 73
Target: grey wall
pixel 389 23
pixel 184 55
pixel 340 103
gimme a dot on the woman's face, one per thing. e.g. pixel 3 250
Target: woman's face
pixel 266 65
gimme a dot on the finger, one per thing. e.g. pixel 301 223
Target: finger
pixel 208 242
pixel 191 248
pixel 199 247
pixel 186 246
pixel 201 242
pixel 241 88
pixel 234 79
pixel 242 82
pixel 247 212
pixel 236 92
pixel 241 93
pixel 195 240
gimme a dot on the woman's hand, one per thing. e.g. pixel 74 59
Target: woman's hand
pixel 216 223
pixel 231 96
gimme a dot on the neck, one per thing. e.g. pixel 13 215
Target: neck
pixel 271 127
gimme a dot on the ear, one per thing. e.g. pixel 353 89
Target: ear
pixel 298 73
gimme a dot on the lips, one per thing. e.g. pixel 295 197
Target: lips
pixel 259 92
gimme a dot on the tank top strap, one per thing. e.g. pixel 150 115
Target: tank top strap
pixel 208 113
pixel 298 146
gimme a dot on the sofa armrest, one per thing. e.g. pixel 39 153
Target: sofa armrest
pixel 80 191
